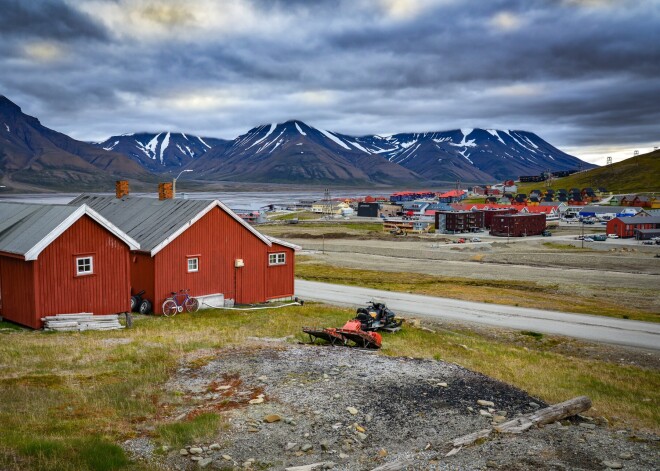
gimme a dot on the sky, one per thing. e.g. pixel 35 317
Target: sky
pixel 582 74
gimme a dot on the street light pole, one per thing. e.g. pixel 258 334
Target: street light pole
pixel 174 182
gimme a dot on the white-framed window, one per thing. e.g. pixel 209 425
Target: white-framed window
pixel 193 264
pixel 277 258
pixel 84 265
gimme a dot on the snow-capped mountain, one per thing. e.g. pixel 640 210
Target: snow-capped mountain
pixel 164 151
pixel 296 152
pixel 469 154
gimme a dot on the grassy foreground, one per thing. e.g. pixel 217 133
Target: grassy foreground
pixel 68 399
pixel 508 292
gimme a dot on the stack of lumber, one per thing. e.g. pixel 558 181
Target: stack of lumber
pixel 81 321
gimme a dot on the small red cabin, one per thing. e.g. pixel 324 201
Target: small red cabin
pixel 59 259
pixel 200 245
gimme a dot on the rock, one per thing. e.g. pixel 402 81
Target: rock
pixel 196 458
pixel 498 419
pixel 337 426
pixel 272 418
pixel 179 418
pixel 359 428
pixel 362 436
pixel 382 452
pixel 443 385
pixel 165 448
pixel 534 405
pixel 226 457
pixel 258 400
pixel 253 430
pixel 214 446
pixel 625 456
pixel 352 410
pixel 612 464
pixel 262 378
pixel 368 418
pixel 484 403
pixel 196 451
pixel 205 462
pixel 325 445
pixel 491 464
pixel 337 396
pixel 471 409
pixel 343 456
pixel 222 388
pixel 587 426
pixel 485 413
pixel 306 447
pixel 291 446
pixel 183 452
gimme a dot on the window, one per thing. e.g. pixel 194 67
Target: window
pixel 276 258
pixel 193 265
pixel 84 266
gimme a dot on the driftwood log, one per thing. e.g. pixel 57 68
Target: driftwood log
pixel 312 467
pixel 393 466
pixel 541 417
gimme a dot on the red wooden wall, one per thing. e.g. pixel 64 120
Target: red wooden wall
pixel 17 285
pixel 218 240
pixel 142 275
pixel 279 278
pixel 106 291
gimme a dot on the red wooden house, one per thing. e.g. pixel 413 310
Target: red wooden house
pixel 199 245
pixel 58 259
pixel 631 225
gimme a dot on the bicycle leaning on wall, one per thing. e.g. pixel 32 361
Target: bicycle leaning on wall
pixel 178 302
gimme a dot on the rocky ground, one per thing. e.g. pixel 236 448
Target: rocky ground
pixel 350 409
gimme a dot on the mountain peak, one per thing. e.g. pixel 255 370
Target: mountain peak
pixel 8 105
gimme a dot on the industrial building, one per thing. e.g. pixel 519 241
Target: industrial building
pixel 640 227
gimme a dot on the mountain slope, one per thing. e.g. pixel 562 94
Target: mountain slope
pixel 472 154
pixel 294 152
pixel 164 151
pixel 33 154
pixel 633 175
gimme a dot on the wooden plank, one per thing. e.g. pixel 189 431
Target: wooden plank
pixel 547 415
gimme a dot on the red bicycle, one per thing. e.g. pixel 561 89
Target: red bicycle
pixel 172 306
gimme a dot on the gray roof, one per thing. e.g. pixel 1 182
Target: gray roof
pixel 27 229
pixel 24 225
pixel 151 222
pixel 641 220
pixel 605 209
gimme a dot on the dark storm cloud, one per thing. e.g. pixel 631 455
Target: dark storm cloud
pixel 578 73
pixel 47 19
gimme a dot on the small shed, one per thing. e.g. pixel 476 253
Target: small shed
pixel 58 259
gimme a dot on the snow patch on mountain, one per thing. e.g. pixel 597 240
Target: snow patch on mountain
pixel 7 126
pixel 270 131
pixel 334 138
pixel 112 146
pixel 300 130
pixel 202 141
pixel 494 133
pixel 152 146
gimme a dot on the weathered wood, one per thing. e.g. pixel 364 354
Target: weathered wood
pixel 81 322
pixel 469 439
pixel 393 466
pixel 312 467
pixel 547 415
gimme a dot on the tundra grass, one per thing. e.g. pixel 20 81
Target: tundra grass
pixel 69 399
pixel 507 292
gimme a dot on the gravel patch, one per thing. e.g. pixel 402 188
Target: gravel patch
pixel 355 410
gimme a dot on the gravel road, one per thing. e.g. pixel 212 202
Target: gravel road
pixel 593 328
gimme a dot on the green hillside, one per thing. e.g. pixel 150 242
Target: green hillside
pixel 635 175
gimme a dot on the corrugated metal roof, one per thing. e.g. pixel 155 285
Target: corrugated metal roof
pixel 24 225
pixel 147 220
pixel 151 222
pixel 640 220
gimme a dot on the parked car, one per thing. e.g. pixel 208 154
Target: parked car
pixel 475 239
pixel 612 236
pixel 647 242
pixel 599 237
pixel 461 241
pixel 588 239
pixel 546 233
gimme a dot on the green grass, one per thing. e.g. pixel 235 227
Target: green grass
pixel 567 247
pixel 180 434
pixel 633 175
pixel 68 399
pixel 508 292
pixel 300 215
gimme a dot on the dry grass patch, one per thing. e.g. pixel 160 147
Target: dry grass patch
pixel 507 292
pixel 67 399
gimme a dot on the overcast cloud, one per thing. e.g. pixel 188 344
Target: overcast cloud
pixel 583 74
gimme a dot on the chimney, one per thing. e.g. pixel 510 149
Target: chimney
pixel 121 188
pixel 165 191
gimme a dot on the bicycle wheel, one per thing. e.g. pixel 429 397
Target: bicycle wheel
pixel 191 304
pixel 169 308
